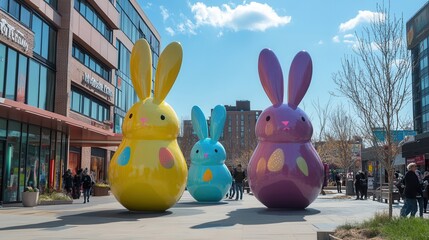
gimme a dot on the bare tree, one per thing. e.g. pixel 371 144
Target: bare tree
pixel 374 79
pixel 342 132
pixel 322 113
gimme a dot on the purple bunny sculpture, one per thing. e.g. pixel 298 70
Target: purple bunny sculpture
pixel 285 170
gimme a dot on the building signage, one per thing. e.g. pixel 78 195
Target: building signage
pixel 97 85
pixel 15 34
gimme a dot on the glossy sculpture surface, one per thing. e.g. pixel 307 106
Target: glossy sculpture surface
pixel 209 179
pixel 148 171
pixel 285 170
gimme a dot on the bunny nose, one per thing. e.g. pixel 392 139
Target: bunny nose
pixel 143 120
pixel 285 124
pixel 206 155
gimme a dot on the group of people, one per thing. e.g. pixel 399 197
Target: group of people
pixel 415 191
pixel 80 181
pixel 238 180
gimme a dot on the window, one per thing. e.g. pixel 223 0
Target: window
pixel 33 83
pixel 53 3
pixel 2 68
pixel 12 57
pixel 90 62
pixel 22 77
pixel 423 45
pixel 88 12
pixel 25 16
pixel 45 39
pixel 134 26
pixel 14 8
pixel 89 106
pixel 43 79
pixel 423 62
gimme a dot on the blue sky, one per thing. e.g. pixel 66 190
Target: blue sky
pixel 222 40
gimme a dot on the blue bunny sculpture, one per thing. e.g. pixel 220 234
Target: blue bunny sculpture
pixel 209 179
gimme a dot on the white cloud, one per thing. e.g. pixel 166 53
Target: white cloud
pixel 336 39
pixel 320 42
pixel 164 12
pixel 361 17
pixel 170 31
pixel 251 16
pixel 349 36
pixel 187 27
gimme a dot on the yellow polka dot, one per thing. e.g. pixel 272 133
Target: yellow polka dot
pixel 207 175
pixel 276 161
pixel 302 165
pixel 269 129
pixel 261 167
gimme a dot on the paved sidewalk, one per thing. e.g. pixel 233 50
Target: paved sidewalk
pixel 104 218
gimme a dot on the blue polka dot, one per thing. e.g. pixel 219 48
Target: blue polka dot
pixel 124 157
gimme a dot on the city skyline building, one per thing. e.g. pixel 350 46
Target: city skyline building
pixel 238 138
pixel 65 87
pixel 416 148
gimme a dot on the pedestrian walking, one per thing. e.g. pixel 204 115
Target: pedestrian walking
pixel 338 182
pixel 412 189
pixel 86 185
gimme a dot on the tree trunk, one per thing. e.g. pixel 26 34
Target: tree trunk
pixel 390 177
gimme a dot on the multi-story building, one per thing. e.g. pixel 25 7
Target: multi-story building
pixel 64 87
pixel 417 42
pixel 238 136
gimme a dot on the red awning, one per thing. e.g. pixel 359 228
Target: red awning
pixel 81 134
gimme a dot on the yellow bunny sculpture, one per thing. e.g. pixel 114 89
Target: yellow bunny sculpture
pixel 148 171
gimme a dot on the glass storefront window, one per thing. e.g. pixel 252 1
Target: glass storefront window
pixel 33 156
pixel 44 160
pixel 98 163
pixel 11 163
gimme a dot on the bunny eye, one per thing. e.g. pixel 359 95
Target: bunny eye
pixel 216 150
pixel 162 117
pixel 303 119
pixel 197 151
pixel 131 115
pixel 268 118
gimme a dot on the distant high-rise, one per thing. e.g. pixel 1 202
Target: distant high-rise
pixel 238 136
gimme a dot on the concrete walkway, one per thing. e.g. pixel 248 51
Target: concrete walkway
pixel 104 218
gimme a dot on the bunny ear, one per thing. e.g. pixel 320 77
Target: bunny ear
pixel 167 70
pixel 300 74
pixel 217 122
pixel 141 68
pixel 271 76
pixel 199 123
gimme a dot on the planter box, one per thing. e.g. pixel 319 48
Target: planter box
pixel 30 199
pixel 101 191
pixel 55 202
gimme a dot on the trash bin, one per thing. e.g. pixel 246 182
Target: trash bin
pixel 350 187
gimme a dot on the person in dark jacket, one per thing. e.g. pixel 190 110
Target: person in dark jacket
pixel 358 185
pixel 77 184
pixel 412 189
pixel 338 182
pixel 239 176
pixel 68 181
pixel 86 185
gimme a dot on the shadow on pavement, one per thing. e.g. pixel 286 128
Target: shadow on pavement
pixel 257 216
pixel 197 204
pixel 88 218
